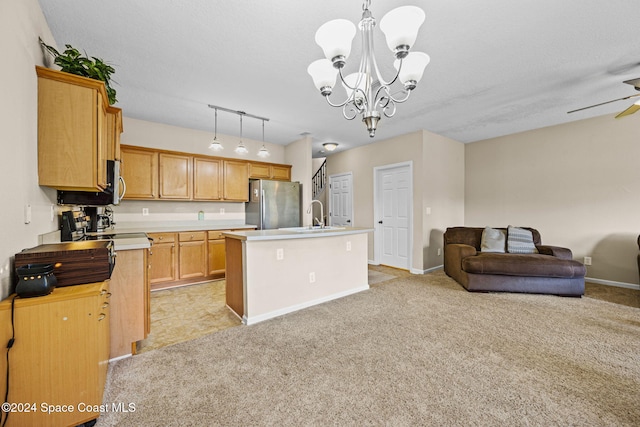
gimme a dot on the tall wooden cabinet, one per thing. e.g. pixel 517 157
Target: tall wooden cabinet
pixel 73 142
pixel 60 355
pixel 207 179
pixel 176 176
pixel 236 180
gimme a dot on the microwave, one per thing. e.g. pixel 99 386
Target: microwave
pixel 110 196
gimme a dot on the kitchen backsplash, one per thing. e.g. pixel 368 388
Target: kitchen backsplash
pixel 153 211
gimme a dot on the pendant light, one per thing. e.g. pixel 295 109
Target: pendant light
pixel 241 149
pixel 215 144
pixel 263 151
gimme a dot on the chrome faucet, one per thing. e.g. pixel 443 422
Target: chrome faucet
pixel 321 212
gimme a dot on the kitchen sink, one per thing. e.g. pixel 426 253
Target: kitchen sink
pixel 312 229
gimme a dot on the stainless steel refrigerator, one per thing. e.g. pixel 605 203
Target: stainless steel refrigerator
pixel 273 204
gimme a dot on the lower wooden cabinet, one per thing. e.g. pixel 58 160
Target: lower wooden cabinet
pixel 192 254
pixel 186 257
pixel 60 355
pixel 163 259
pixel 216 259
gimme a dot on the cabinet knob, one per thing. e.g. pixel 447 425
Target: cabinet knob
pixel 161 237
pixel 102 316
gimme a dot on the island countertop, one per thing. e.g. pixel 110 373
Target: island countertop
pixel 295 233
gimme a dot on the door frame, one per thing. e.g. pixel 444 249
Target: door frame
pixel 331 177
pixel 377 210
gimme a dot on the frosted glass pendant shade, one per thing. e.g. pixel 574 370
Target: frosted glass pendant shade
pixel 400 26
pixel 412 66
pixel 352 81
pixel 335 37
pixel 323 73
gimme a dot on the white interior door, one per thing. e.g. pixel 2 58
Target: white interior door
pixel 393 207
pixel 341 200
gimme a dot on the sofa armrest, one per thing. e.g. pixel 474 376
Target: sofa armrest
pixel 454 253
pixel 556 251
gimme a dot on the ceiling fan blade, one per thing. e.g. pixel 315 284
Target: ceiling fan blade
pixel 632 109
pixel 603 103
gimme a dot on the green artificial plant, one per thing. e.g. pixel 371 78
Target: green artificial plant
pixel 73 62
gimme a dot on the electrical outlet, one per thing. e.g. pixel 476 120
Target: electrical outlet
pixel 221 211
pixel 587 260
pixel 27 214
pixel 312 277
pixel 280 254
pixel 53 212
pixel 428 211
pixel 145 211
pixel 348 245
pixel 439 251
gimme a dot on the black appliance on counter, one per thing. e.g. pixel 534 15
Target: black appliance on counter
pixel 110 196
pixel 74 263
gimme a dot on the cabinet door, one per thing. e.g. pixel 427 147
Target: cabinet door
pixel 259 170
pixel 175 176
pixel 104 333
pixel 236 181
pixel 193 257
pixel 206 179
pixel 281 172
pixel 140 173
pixel 163 263
pixel 71 131
pixel 216 256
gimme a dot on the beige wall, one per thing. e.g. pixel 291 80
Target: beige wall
pixel 438 171
pixel 577 183
pixel 21 22
pixel 298 154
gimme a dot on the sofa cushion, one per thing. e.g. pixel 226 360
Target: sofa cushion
pixel 493 240
pixel 520 241
pixel 536 265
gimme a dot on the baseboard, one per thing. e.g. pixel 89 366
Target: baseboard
pixel 612 283
pixel 115 359
pixel 372 262
pixel 262 317
pixel 428 270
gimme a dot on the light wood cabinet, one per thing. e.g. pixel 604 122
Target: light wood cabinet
pixel 193 254
pixel 163 259
pixel 236 180
pixel 176 176
pixel 114 129
pixel 140 173
pixel 130 311
pixel 260 170
pixel 60 355
pixel 72 131
pixel 216 256
pixel 207 178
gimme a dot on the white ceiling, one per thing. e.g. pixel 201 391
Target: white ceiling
pixel 497 66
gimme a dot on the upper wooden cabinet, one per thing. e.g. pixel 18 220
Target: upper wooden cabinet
pixel 153 174
pixel 207 178
pixel 236 181
pixel 176 176
pixel 114 129
pixel 140 172
pixel 269 171
pixel 73 137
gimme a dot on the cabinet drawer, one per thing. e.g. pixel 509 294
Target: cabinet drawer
pixel 163 237
pixel 216 234
pixel 191 236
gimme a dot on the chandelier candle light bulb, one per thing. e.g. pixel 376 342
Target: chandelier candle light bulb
pixel 367 94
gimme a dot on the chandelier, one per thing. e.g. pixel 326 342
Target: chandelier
pixel 368 94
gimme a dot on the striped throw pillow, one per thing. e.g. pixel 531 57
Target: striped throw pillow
pixel 520 241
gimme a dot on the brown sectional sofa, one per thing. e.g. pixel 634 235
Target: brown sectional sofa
pixel 550 271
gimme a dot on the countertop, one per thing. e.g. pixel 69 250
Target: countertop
pixel 294 233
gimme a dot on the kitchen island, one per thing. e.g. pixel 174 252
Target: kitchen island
pixel 274 272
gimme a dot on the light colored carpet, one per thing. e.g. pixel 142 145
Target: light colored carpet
pixel 417 350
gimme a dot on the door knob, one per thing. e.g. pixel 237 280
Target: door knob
pixel 380 222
